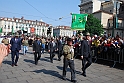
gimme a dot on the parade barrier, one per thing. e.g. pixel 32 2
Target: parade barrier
pixel 116 55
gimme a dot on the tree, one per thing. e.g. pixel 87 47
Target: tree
pixel 93 25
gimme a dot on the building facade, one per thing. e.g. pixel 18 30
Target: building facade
pixel 27 27
pixel 103 16
pixel 117 31
pixel 104 12
pixel 121 10
pixel 106 17
pixel 62 31
pixel 89 6
pixel 107 6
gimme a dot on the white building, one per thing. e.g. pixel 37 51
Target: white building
pixel 62 31
pixel 28 26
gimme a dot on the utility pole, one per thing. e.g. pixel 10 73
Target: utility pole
pixel 115 18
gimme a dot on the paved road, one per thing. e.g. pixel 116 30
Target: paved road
pixel 46 72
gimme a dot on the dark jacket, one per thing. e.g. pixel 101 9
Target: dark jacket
pixel 15 45
pixel 59 45
pixel 37 47
pixel 85 48
pixel 51 47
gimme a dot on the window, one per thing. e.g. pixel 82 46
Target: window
pixel 108 24
pixel 8 26
pixel 5 27
pixel 122 9
pixel 110 10
pixel 86 11
pixel 117 33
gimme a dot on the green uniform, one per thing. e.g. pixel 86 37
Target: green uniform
pixel 68 61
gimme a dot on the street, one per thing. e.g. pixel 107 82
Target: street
pixel 47 72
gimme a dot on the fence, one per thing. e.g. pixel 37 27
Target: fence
pixel 110 54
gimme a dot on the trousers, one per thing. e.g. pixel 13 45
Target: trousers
pixel 86 62
pixel 69 63
pixel 13 54
pixel 37 56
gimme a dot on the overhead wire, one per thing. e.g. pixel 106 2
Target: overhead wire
pixel 44 16
pixel 42 13
pixel 38 10
pixel 36 16
pixel 21 14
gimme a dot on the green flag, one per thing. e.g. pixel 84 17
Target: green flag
pixel 0 30
pixel 78 21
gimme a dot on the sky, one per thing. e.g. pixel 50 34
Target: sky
pixel 49 11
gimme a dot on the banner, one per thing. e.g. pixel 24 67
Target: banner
pixel 78 21
pixel 12 30
pixel 1 30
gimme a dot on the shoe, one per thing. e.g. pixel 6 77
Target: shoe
pixel 16 65
pixel 51 61
pixel 64 78
pixel 12 65
pixel 84 74
pixel 59 59
pixel 36 62
pixel 74 81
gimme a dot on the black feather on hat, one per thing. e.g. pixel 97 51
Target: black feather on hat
pixel 69 39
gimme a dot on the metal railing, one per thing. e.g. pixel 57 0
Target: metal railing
pixel 108 53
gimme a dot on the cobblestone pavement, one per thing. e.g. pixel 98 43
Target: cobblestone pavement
pixel 46 72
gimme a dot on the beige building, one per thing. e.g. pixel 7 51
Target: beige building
pixel 107 6
pixel 103 17
pixel 89 6
pixel 62 31
pixel 106 19
pixel 29 27
pixel 104 12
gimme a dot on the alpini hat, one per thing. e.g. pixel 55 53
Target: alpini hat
pixel 87 34
pixel 69 39
pixel 16 34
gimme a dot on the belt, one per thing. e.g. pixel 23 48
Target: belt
pixel 68 59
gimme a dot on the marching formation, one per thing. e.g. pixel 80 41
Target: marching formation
pixel 70 48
